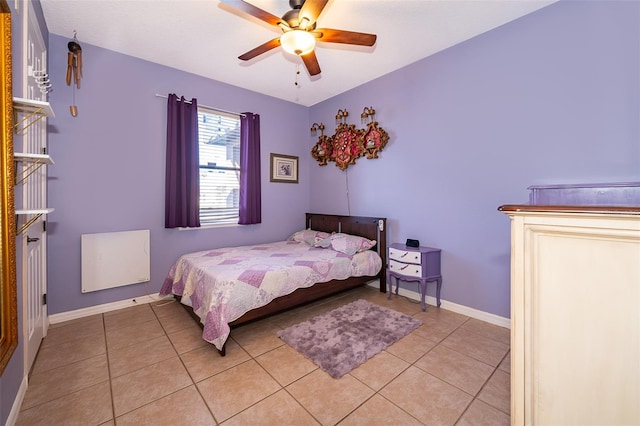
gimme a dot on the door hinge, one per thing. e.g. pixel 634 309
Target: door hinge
pixel 44 150
pixel 44 226
pixel 44 299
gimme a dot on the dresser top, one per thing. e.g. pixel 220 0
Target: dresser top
pixel 513 208
pixel 401 246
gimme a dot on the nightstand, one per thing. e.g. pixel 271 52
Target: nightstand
pixel 414 264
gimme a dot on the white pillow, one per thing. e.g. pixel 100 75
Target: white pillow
pixel 346 243
pixel 309 236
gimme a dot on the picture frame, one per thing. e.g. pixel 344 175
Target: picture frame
pixel 284 168
pixel 8 283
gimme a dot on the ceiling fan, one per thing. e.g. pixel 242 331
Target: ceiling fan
pixel 299 31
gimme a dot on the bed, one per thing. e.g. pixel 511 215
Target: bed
pixel 226 287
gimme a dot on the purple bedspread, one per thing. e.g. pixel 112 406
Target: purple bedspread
pixel 223 284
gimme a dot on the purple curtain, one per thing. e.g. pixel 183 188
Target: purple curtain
pixel 182 183
pixel 250 198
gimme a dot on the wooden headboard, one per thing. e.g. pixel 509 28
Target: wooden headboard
pixel 373 228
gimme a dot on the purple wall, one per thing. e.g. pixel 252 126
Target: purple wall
pixel 109 166
pixel 553 97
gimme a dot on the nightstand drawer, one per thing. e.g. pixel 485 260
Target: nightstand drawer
pixel 407 269
pixel 405 256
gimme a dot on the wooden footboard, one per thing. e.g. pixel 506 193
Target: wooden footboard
pixel 373 228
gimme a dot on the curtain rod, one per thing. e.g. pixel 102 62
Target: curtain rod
pixel 158 95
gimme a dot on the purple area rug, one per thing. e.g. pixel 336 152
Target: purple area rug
pixel 340 340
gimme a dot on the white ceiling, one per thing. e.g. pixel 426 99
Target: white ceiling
pixel 205 37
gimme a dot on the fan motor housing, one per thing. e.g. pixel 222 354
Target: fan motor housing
pixel 292 19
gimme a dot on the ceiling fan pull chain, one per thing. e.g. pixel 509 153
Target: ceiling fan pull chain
pixel 297 74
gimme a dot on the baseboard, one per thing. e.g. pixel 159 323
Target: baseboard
pixel 454 307
pixel 17 403
pixel 430 300
pixel 106 307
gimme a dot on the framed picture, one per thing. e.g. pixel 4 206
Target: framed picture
pixel 284 168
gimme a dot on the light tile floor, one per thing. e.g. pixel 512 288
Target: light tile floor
pixel 148 365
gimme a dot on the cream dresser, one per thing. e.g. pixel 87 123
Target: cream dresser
pixel 575 315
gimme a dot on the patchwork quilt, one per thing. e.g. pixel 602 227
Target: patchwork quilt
pixel 223 284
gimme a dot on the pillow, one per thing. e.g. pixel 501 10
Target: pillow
pixel 325 243
pixel 349 244
pixel 309 236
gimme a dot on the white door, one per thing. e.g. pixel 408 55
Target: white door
pixel 34 196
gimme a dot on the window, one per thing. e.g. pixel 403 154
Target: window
pixel 219 151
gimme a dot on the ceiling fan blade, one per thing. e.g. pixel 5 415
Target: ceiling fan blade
pixel 311 62
pixel 310 11
pixel 254 11
pixel 347 37
pixel 265 47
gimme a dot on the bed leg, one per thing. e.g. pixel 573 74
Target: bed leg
pixel 223 351
pixel 384 280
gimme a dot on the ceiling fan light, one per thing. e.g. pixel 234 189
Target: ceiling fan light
pixel 297 42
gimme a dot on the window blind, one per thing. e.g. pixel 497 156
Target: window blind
pixel 219 150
